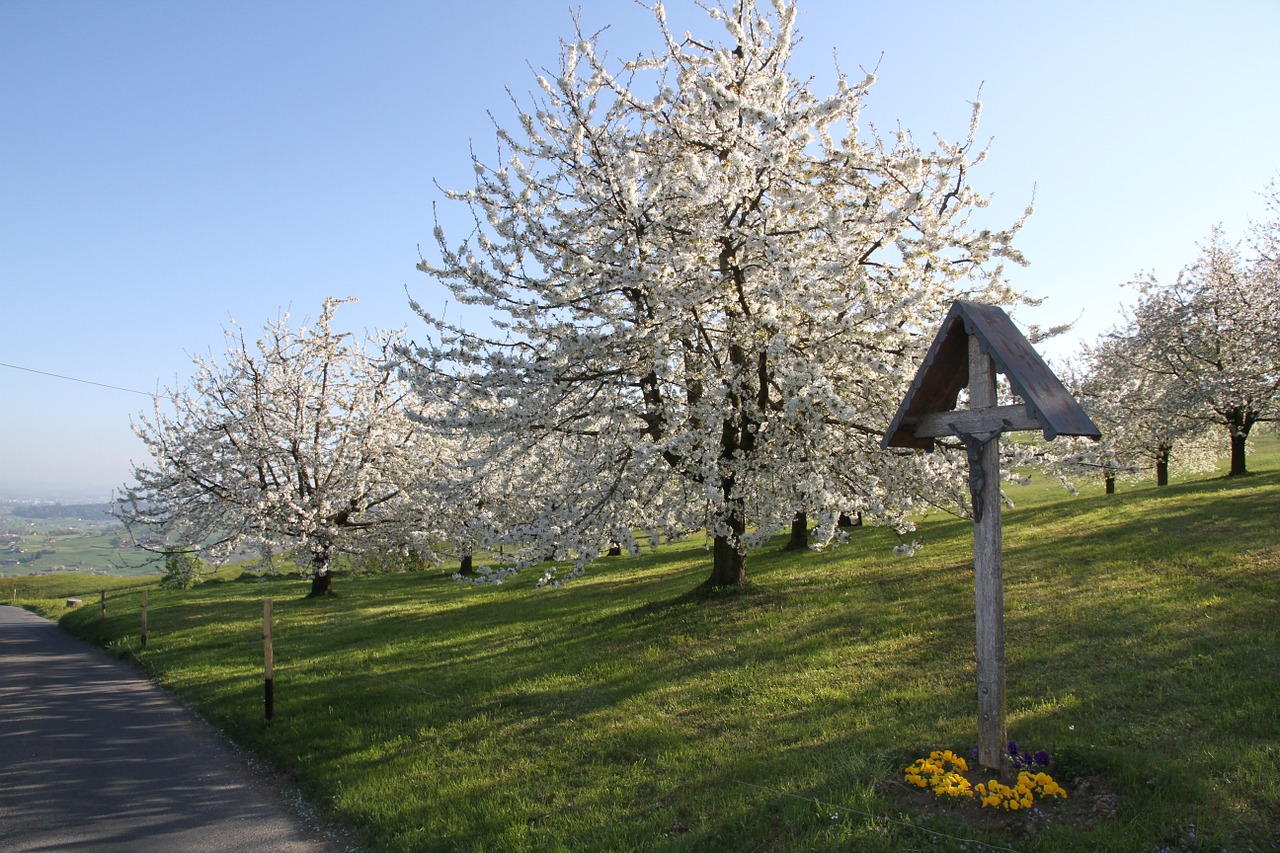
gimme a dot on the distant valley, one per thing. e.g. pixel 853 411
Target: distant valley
pixel 38 537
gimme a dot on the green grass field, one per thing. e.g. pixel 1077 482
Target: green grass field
pixel 622 713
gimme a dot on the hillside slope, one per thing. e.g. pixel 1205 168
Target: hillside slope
pixel 623 713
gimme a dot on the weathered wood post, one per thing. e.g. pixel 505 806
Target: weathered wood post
pixel 268 662
pixel 144 618
pixel 102 597
pixel 988 567
pixel 974 344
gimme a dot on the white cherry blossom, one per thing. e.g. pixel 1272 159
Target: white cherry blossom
pixel 710 287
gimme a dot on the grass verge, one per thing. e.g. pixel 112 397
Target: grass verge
pixel 623 713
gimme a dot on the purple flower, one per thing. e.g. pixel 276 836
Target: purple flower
pixel 1013 747
pixel 1042 758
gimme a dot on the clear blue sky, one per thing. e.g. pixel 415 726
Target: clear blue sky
pixel 168 166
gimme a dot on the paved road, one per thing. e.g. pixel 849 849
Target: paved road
pixel 94 757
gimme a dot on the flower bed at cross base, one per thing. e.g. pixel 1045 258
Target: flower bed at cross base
pixel 942 773
pixel 983 804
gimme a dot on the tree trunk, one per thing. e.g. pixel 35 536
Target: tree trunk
pixel 737 437
pixel 729 565
pixel 1110 480
pixel 1239 422
pixel 799 540
pixel 1162 466
pixel 322 580
pixel 615 550
pixel 846 521
pixel 466 565
pixel 1237 453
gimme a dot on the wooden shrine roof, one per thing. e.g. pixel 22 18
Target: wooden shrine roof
pixel 945 370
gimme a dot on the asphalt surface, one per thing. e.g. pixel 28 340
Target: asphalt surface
pixel 94 757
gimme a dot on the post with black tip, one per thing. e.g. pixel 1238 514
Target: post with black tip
pixel 267 659
pixel 144 618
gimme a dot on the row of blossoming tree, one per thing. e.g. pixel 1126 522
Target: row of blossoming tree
pixel 706 287
pixel 1196 363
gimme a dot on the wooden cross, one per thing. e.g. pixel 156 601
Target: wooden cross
pixel 974 344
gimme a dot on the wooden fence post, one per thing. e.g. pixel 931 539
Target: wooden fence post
pixel 103 600
pixel 988 575
pixel 144 618
pixel 268 655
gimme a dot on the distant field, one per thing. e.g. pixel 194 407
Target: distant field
pixel 96 544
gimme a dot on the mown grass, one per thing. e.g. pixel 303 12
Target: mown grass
pixel 47 594
pixel 623 713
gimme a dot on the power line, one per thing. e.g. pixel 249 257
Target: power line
pixel 74 379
